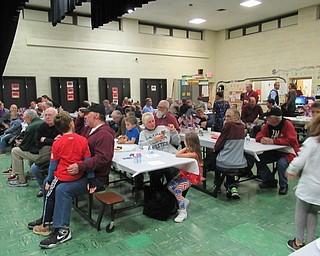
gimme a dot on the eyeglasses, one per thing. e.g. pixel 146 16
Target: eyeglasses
pixel 160 107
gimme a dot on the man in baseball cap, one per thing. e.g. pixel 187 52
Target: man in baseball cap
pixel 97 108
pixel 277 131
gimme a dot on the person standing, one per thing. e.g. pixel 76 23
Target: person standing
pixel 249 93
pixel 273 94
pixel 306 165
pixel 220 107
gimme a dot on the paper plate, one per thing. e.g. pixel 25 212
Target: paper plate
pixel 124 148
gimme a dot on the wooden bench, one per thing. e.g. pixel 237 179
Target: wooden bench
pixel 107 198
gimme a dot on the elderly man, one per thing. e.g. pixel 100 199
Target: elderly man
pixel 249 93
pixel 277 131
pixel 47 134
pixel 163 117
pixel 118 124
pixel 107 107
pixel 28 149
pixel 101 143
pixel 251 113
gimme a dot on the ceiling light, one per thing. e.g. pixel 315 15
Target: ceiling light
pixel 197 21
pixel 250 3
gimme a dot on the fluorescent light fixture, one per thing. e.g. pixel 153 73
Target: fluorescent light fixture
pixel 197 21
pixel 250 3
pixel 130 11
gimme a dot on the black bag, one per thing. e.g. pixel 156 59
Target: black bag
pixel 159 204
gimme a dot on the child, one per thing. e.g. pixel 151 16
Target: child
pixel 132 132
pixel 307 192
pixel 68 149
pixel 185 179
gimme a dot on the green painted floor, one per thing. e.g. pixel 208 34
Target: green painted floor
pixel 258 224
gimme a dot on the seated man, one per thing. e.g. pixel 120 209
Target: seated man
pixel 118 124
pixel 163 117
pixel 26 150
pixel 277 131
pixel 201 119
pixel 13 130
pixel 230 150
pixel 251 113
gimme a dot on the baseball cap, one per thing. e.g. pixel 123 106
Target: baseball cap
pixel 97 108
pixel 275 111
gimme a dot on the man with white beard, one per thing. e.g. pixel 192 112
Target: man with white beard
pixel 163 117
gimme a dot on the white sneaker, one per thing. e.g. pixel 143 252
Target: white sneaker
pixel 186 203
pixel 181 216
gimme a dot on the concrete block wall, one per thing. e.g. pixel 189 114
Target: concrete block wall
pixel 293 51
pixel 72 51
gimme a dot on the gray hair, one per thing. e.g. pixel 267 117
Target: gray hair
pixel 116 113
pixel 48 104
pixel 165 103
pixel 30 113
pixel 146 116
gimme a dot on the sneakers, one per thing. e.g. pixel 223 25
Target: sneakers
pixel 34 223
pixel 269 184
pixel 17 183
pixel 12 177
pixel 40 193
pixel 292 244
pixel 216 188
pixel 283 190
pixel 7 172
pixel 42 230
pixel 181 216
pixel 58 237
pixel 234 193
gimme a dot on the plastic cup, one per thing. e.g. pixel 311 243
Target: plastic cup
pixel 145 148
pixel 209 129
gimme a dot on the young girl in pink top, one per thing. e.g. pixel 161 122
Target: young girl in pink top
pixel 185 179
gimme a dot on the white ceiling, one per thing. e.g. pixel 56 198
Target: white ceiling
pixel 178 12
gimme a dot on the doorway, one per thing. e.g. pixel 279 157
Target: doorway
pixel 18 90
pixel 70 92
pixel 114 89
pixel 156 89
pixel 304 86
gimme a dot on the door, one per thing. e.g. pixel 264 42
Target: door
pixel 156 89
pixel 114 89
pixel 70 92
pixel 18 90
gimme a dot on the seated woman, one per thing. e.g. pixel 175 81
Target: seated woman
pixel 163 138
pixel 230 148
pixel 201 119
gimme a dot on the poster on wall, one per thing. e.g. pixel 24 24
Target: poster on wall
pixel 15 87
pixel 70 97
pixel 15 95
pixel 115 94
pixel 70 91
pixel 318 89
pixel 70 84
pixel 153 88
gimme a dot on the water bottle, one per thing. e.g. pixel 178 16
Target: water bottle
pixel 247 139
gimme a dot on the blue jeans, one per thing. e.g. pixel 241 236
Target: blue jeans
pixel 64 196
pixel 271 157
pixel 36 172
pixel 4 140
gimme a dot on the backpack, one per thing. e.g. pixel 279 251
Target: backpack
pixel 159 204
